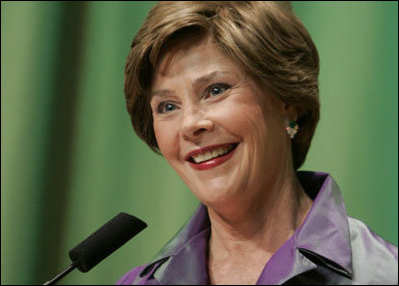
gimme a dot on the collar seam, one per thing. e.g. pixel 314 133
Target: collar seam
pixel 178 250
pixel 158 261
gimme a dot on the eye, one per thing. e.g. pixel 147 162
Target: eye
pixel 216 89
pixel 165 107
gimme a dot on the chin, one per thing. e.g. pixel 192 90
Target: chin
pixel 216 193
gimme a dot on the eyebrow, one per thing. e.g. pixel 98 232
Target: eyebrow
pixel 207 77
pixel 198 81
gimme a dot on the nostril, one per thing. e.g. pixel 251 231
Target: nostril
pixel 194 127
pixel 199 131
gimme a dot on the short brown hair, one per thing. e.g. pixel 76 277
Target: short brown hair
pixel 265 38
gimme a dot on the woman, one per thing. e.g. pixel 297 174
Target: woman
pixel 227 92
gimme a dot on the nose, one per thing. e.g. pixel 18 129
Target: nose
pixel 195 123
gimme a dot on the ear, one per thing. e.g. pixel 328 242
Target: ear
pixel 290 112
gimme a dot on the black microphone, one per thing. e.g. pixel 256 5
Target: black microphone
pixel 102 243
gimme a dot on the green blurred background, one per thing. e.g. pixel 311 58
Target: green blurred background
pixel 70 160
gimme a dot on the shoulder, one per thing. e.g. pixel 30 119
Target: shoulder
pixel 362 237
pixel 373 258
pixel 131 276
pixel 174 264
pixel 142 275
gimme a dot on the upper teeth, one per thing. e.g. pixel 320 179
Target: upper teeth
pixel 211 154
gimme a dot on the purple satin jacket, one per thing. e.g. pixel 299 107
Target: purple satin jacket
pixel 328 248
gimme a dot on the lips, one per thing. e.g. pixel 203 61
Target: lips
pixel 211 156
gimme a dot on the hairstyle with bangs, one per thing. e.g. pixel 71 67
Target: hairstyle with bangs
pixel 265 38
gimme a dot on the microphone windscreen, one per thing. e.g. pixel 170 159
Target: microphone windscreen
pixel 105 240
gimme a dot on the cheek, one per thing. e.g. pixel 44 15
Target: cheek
pixel 242 118
pixel 166 139
pixel 257 124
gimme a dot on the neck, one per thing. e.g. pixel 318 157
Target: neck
pixel 261 224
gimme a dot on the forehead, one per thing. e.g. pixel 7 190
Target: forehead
pixel 198 57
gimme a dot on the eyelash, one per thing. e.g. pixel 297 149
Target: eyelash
pixel 162 105
pixel 224 86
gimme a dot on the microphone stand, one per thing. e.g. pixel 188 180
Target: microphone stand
pixel 102 243
pixel 62 274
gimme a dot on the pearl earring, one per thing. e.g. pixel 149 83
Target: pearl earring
pixel 292 128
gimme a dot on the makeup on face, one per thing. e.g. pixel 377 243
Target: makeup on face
pixel 213 124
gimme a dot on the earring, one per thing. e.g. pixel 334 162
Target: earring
pixel 292 128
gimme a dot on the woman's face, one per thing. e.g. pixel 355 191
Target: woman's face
pixel 222 134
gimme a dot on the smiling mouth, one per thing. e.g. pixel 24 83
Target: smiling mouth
pixel 209 154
